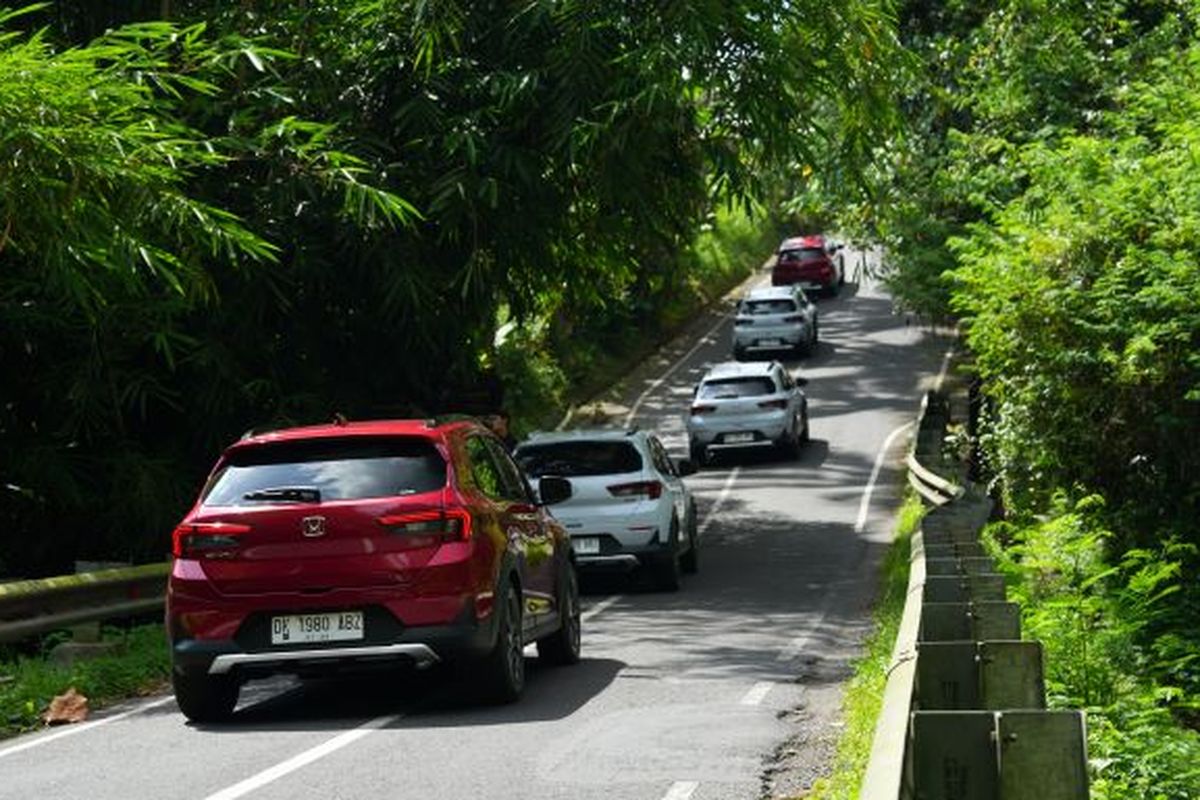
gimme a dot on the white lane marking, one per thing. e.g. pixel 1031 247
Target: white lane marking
pixel 86 726
pixel 599 607
pixel 294 763
pixel 941 376
pixel 796 645
pixel 864 505
pixel 661 379
pixel 681 790
pixel 720 501
pixel 756 693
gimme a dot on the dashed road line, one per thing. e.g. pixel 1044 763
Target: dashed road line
pixel 726 489
pixel 681 790
pixel 301 760
pixel 597 609
pixel 756 693
pixel 86 726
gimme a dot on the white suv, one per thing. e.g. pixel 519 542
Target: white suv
pixel 629 504
pixel 747 405
pixel 775 318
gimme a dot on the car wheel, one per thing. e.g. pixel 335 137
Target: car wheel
pixel 816 329
pixel 668 574
pixel 698 453
pixel 562 647
pixel 690 561
pixel 739 354
pixel 504 667
pixel 203 697
pixel 804 436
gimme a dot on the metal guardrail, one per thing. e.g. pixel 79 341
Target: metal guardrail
pixel 28 608
pixel 963 714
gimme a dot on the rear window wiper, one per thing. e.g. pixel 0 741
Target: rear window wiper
pixel 286 494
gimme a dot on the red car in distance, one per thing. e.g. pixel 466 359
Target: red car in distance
pixel 814 262
pixel 366 545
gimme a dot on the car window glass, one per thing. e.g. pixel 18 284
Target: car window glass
pixel 512 483
pixel 733 388
pixel 578 458
pixel 785 379
pixel 803 254
pixel 662 461
pixel 328 469
pixel 483 468
pixel 775 306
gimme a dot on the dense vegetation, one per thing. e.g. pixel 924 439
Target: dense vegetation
pixel 253 214
pixel 1047 197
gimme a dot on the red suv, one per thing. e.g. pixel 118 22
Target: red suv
pixel 811 261
pixel 353 545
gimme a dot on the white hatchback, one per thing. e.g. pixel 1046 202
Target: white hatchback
pixel 628 505
pixel 775 318
pixel 747 405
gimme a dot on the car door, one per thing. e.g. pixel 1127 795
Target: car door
pixel 529 520
pixel 670 478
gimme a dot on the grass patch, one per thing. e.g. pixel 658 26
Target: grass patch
pixel 864 692
pixel 139 664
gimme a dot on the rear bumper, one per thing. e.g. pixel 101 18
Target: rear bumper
pixel 764 428
pixel 419 646
pixel 617 557
pixel 770 338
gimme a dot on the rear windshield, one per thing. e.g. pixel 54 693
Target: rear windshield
pixel 328 469
pixel 579 458
pixel 761 307
pixel 804 254
pixel 736 387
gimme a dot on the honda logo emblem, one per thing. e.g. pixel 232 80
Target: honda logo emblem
pixel 312 527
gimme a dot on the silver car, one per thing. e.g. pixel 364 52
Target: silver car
pixel 629 504
pixel 775 318
pixel 747 405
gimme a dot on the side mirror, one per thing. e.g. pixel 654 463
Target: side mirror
pixel 801 381
pixel 553 490
pixel 685 466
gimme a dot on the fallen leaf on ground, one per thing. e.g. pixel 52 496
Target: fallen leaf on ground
pixel 68 707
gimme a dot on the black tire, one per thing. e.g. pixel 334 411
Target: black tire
pixel 561 648
pixel 805 435
pixel 739 354
pixel 698 453
pixel 503 669
pixel 816 333
pixel 667 572
pixel 203 697
pixel 690 561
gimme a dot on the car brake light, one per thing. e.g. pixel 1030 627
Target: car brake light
pixel 652 489
pixel 197 539
pixel 780 404
pixel 702 409
pixel 794 318
pixel 453 525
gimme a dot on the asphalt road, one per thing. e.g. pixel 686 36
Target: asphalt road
pixel 726 689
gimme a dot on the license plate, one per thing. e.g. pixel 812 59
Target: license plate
pixel 771 342
pixel 335 626
pixel 738 438
pixel 586 546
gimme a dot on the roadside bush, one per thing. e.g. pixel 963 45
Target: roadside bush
pixel 1112 644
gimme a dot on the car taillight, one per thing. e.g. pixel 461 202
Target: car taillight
pixel 651 489
pixel 453 525
pixel 780 404
pixel 702 410
pixel 197 539
pixel 794 318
